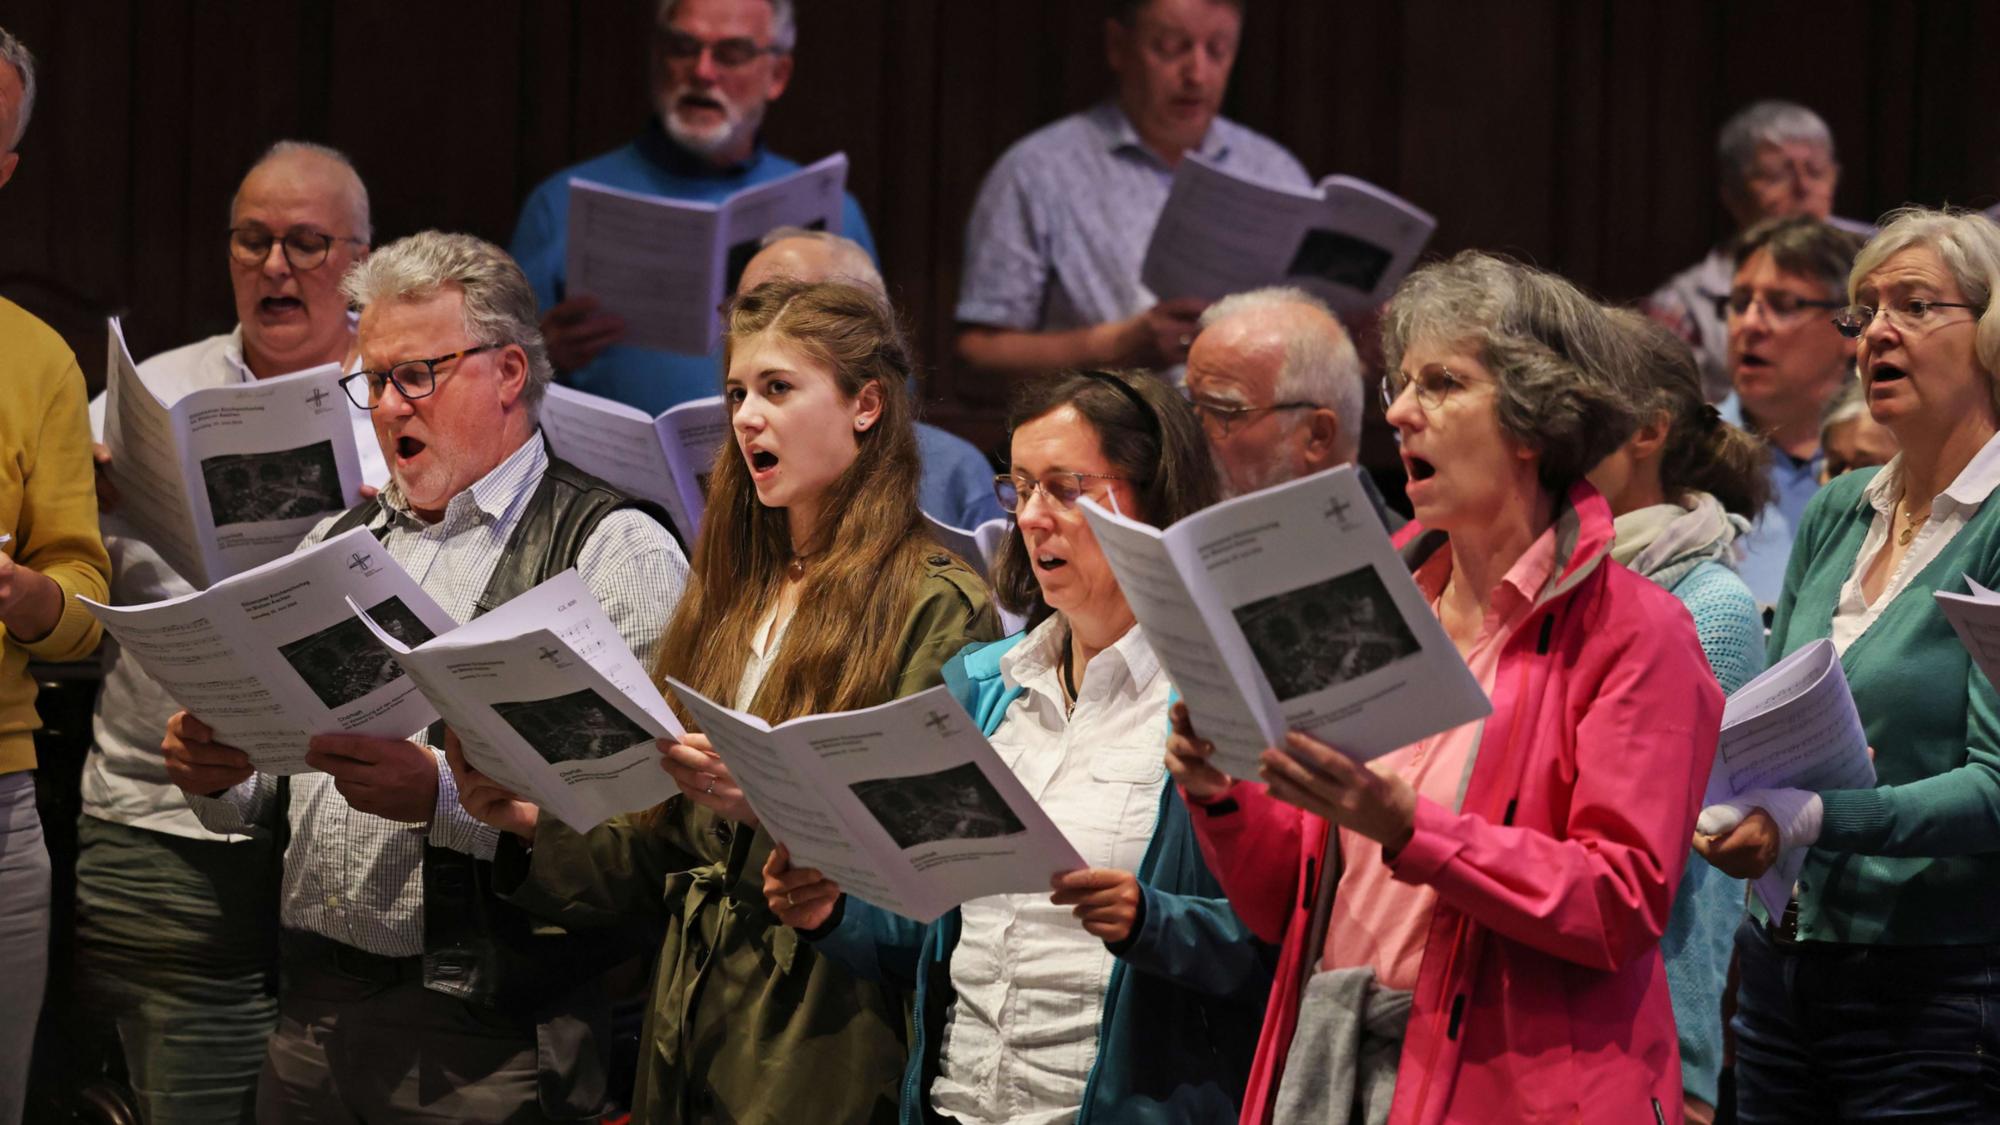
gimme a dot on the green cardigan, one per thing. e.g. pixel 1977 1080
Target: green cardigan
pixel 747 1024
pixel 1915 860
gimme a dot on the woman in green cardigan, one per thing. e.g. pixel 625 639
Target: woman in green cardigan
pixel 1877 994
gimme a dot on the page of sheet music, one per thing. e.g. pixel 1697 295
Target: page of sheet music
pixel 611 441
pixel 649 260
pixel 693 434
pixel 905 805
pixel 146 464
pixel 1975 617
pixel 274 655
pixel 548 700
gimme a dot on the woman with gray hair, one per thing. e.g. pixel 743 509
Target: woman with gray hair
pixel 1874 994
pixel 1470 925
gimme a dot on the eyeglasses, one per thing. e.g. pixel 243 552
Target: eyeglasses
pixel 679 46
pixel 1061 487
pixel 1774 173
pixel 305 248
pixel 1224 416
pixel 413 378
pixel 1433 385
pixel 1914 315
pixel 1781 306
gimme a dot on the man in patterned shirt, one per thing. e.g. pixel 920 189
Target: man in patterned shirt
pixel 390 1012
pixel 1059 232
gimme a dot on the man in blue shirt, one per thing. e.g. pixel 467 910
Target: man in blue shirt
pixel 716 66
pixel 1787 363
pixel 1059 232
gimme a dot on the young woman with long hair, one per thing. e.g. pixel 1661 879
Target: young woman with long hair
pixel 815 588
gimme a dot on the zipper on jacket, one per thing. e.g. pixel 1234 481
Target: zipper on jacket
pixel 1457 1011
pixel 1548 629
pixel 1659 1115
pixel 1306 891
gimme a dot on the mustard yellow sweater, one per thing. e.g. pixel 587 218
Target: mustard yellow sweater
pixel 48 501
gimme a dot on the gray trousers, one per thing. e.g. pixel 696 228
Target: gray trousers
pixel 24 936
pixel 177 949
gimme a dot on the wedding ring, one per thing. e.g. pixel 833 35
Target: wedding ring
pixel 788 899
pixel 710 791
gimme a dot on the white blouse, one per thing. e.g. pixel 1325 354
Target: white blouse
pixel 1021 1037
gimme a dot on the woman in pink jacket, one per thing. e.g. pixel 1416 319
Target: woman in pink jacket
pixel 1479 939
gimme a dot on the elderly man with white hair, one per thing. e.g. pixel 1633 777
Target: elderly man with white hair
pixel 1775 160
pixel 1277 385
pixel 957 485
pixel 50 556
pixel 716 67
pixel 411 992
pixel 175 933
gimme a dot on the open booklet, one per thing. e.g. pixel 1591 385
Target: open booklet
pixel 1288 609
pixel 1793 727
pixel 905 805
pixel 1975 617
pixel 1348 241
pixel 547 700
pixel 228 478
pixel 666 458
pixel 270 657
pixel 666 265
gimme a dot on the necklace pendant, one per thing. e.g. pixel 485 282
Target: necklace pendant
pixel 796 569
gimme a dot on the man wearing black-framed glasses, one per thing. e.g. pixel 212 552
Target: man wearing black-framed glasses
pixel 716 66
pixel 1277 385
pixel 190 1000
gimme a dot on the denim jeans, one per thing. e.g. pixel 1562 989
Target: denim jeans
pixel 24 935
pixel 1866 1033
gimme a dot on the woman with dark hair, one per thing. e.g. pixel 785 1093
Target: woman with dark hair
pixel 1471 924
pixel 815 587
pixel 1683 489
pixel 1133 993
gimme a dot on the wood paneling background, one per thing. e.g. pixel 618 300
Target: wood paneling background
pixel 1575 133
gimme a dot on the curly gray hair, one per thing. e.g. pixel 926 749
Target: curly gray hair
pixel 499 305
pixel 1569 379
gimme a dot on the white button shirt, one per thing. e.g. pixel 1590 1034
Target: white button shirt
pixel 125 777
pixel 1021 1037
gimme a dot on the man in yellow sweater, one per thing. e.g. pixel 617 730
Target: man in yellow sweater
pixel 48 506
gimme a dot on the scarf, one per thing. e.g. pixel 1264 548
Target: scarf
pixel 1665 541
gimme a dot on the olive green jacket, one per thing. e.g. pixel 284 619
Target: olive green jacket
pixel 748 1025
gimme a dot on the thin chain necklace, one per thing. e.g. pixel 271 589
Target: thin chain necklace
pixel 1911 521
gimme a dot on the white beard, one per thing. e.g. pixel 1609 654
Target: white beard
pixel 735 122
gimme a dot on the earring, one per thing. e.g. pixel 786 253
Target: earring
pixel 860 425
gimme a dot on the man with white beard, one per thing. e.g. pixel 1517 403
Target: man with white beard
pixel 1277 385
pixel 716 67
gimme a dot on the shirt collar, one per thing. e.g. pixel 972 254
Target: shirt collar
pixel 1969 489
pixel 1121 136
pixel 1519 588
pixel 1035 663
pixel 232 352
pixel 491 497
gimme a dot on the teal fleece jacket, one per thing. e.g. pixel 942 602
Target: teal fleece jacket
pixel 1186 995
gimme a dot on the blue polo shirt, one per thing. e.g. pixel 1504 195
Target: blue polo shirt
pixel 649 380
pixel 1769 545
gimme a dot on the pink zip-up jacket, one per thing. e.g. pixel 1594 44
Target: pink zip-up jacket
pixel 1542 996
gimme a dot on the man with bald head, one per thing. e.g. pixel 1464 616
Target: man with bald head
pixel 957 484
pixel 174 922
pixel 1277 385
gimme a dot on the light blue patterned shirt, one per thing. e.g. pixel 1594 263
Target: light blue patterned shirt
pixel 1768 547
pixel 1060 229
pixel 358 878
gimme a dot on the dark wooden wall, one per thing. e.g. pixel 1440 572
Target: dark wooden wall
pixel 1575 133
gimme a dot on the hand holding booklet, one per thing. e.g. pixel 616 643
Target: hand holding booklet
pixel 272 656
pixel 666 265
pixel 1288 609
pixel 228 478
pixel 666 458
pixel 547 700
pixel 905 805
pixel 1793 727
pixel 1347 241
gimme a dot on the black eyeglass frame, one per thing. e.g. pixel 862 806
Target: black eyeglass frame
pixel 285 240
pixel 430 366
pixel 1724 301
pixel 675 45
